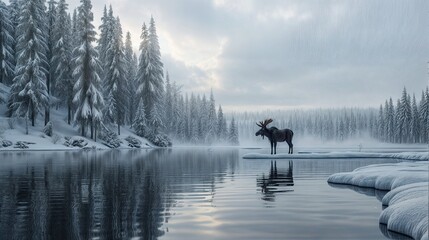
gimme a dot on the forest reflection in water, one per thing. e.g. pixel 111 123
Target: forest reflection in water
pixel 107 194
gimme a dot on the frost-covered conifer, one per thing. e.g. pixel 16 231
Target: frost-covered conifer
pixel 29 93
pixel 130 76
pixel 7 43
pixel 150 72
pixel 106 33
pixel 404 118
pixel 140 120
pixel 212 119
pixel 424 116
pixel 61 57
pixel 115 84
pixel 415 122
pixel 168 105
pixel 233 133
pixel 88 97
pixel 221 125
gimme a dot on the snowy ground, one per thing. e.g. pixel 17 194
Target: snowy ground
pixel 16 132
pixel 407 211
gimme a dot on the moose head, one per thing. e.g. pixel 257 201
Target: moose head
pixel 263 125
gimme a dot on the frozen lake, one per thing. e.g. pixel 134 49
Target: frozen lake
pixel 182 193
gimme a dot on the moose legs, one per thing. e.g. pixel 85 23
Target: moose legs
pixel 290 147
pixel 273 147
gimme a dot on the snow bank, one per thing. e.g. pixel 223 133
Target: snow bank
pixel 407 202
pixel 418 156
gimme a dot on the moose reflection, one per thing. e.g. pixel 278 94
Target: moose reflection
pixel 277 181
pixel 275 135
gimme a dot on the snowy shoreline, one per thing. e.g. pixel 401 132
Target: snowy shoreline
pixel 407 200
pixel 416 156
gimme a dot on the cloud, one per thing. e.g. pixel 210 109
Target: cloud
pixel 288 53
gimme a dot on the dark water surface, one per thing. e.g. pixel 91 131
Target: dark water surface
pixel 181 194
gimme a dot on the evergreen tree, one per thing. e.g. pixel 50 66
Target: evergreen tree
pixel 7 43
pixel 404 118
pixel 391 121
pixel 150 73
pixel 51 13
pixel 88 97
pixel 233 133
pixel 424 116
pixel 61 57
pixel 115 81
pixel 106 34
pixel 221 125
pixel 130 76
pixel 380 125
pixel 415 122
pixel 168 105
pixel 29 93
pixel 140 121
pixel 141 80
pixel 212 120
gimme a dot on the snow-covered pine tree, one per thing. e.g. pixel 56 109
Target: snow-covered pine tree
pixel 221 125
pixel 203 118
pixel 88 97
pixel 115 84
pixel 7 43
pixel 130 76
pixel 391 130
pixel 193 119
pixel 50 17
pixel 141 78
pixel 61 57
pixel 106 33
pixel 404 118
pixel 380 125
pixel 150 73
pixel 398 131
pixel 424 116
pixel 233 133
pixel 140 120
pixel 29 93
pixel 168 105
pixel 415 122
pixel 176 108
pixel 212 120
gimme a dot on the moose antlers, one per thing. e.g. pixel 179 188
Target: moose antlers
pixel 264 123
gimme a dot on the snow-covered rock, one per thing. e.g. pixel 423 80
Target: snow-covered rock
pixel 133 142
pixel 407 202
pixel 418 156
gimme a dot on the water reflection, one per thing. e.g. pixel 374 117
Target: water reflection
pixel 108 195
pixel 277 181
pixel 372 192
pixel 379 194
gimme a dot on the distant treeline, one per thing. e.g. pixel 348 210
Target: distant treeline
pixel 407 122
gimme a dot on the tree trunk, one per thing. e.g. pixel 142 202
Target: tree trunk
pixel 92 128
pixel 26 123
pixel 119 129
pixel 33 116
pixel 68 113
pixel 47 114
pixel 82 125
pixel 95 133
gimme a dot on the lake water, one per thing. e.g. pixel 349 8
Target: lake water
pixel 189 193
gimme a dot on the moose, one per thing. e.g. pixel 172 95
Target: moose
pixel 275 135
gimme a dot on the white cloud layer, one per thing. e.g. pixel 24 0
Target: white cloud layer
pixel 283 54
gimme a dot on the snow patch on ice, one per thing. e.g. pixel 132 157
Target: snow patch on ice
pixel 407 202
pixel 418 156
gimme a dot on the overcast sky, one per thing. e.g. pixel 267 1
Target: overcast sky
pixel 287 54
